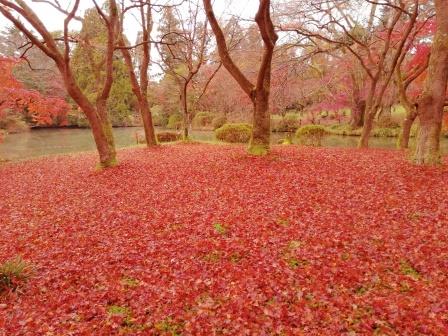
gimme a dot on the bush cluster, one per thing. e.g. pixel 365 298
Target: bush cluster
pixel 234 133
pixel 168 136
pixel 311 135
pixel 218 122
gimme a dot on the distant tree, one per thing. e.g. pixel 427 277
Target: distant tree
pixel 183 51
pixel 376 43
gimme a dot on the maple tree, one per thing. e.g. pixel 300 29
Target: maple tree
pixel 377 53
pixel 41 110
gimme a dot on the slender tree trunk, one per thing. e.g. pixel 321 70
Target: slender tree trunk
pixel 184 109
pixel 411 115
pixel 430 105
pixel 358 104
pixel 369 115
pixel 261 132
pixel 142 97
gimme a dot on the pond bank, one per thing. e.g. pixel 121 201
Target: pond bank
pixel 51 141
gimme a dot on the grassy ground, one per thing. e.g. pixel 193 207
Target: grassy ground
pixel 196 239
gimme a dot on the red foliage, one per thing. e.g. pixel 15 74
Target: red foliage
pixel 310 242
pixel 43 111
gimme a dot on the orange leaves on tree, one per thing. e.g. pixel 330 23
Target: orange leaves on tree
pixel 41 110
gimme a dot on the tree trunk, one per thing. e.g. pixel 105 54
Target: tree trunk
pixel 430 105
pixel 367 128
pixel 99 122
pixel 148 125
pixel 106 135
pixel 184 109
pixel 261 133
pixel 411 115
pixel 141 94
pixel 428 143
pixel 358 111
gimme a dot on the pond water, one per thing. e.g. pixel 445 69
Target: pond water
pixel 41 142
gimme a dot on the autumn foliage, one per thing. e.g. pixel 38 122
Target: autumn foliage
pixel 306 241
pixel 30 104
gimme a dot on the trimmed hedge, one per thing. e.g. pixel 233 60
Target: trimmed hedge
pixel 234 133
pixel 311 135
pixel 218 122
pixel 168 136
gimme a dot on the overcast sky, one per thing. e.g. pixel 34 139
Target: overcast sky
pixel 53 19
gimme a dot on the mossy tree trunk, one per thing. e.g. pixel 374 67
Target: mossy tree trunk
pixel 431 103
pixel 261 131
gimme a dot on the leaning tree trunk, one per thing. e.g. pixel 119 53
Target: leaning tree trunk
pixel 261 133
pixel 430 105
pixel 369 118
pixel 98 120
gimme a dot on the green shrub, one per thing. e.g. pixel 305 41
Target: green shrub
pixel 168 136
pixel 386 132
pixel 218 122
pixel 175 121
pixel 344 129
pixel 202 119
pixel 234 133
pixel 311 135
pixel 288 123
pixel 13 272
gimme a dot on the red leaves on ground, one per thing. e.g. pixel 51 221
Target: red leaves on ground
pixel 206 240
